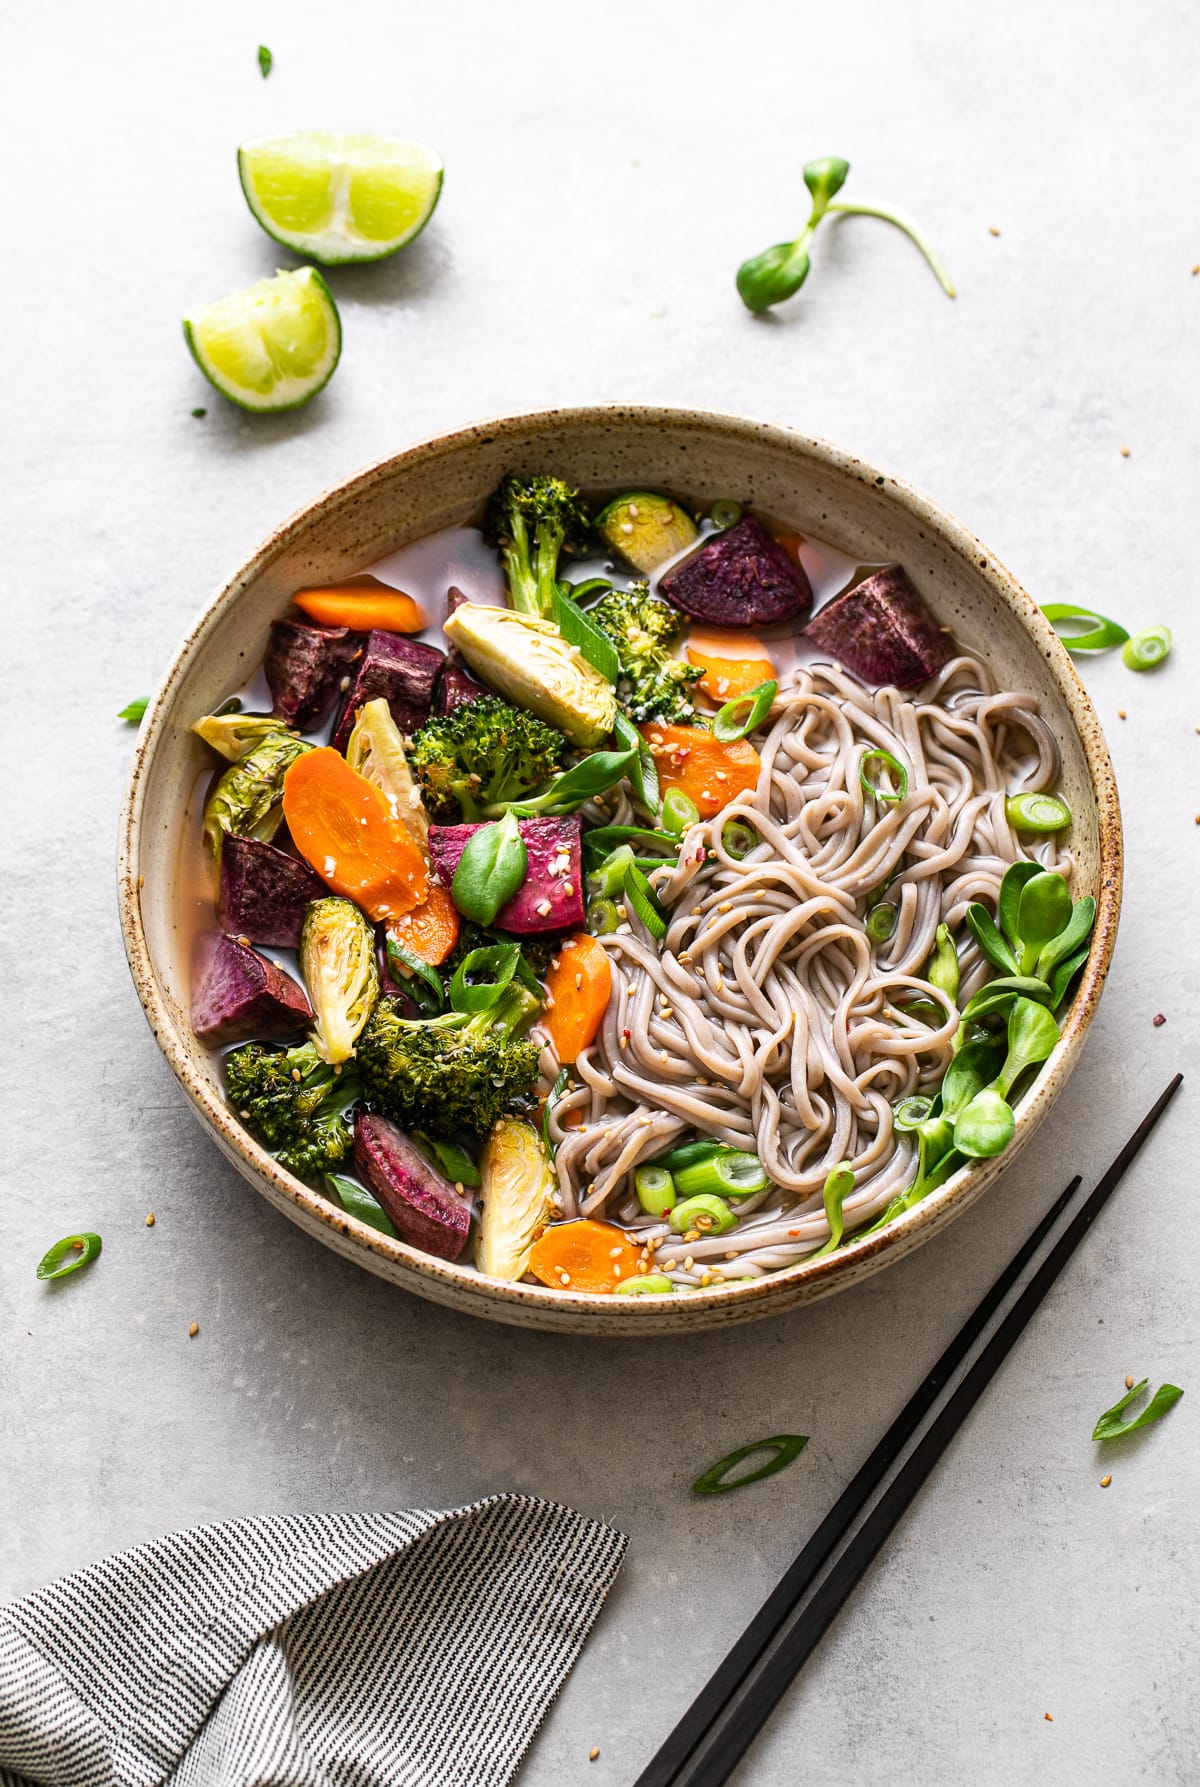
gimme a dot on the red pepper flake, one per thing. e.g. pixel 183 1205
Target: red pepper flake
pixel 1159 1020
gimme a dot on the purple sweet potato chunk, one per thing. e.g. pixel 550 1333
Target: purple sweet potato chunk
pixel 304 664
pixel 882 631
pixel 456 686
pixel 402 671
pixel 426 1209
pixel 264 892
pixel 236 993
pixel 740 578
pixel 547 842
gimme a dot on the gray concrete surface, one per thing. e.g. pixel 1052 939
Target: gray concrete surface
pixel 607 171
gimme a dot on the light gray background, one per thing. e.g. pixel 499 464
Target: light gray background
pixel 608 168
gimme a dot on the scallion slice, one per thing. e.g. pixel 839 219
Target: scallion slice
pixel 655 1189
pixel 69 1254
pixel 578 629
pixel 709 1213
pixel 678 812
pixel 687 1154
pixel 891 767
pixel 647 1284
pixel 1090 632
pixel 725 513
pixel 739 839
pixel 1147 649
pixel 787 1447
pixel 745 713
pixel 482 975
pixel 1037 812
pixel 642 898
pixel 729 1173
pixel 881 922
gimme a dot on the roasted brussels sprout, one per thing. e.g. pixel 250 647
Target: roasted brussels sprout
pixel 646 529
pixel 248 799
pixel 529 661
pixel 341 975
pixel 235 734
pixel 517 1197
pixel 376 750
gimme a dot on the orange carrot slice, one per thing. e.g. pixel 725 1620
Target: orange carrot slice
pixel 342 825
pixel 362 606
pixel 726 677
pixel 585 1256
pixel 579 984
pixel 430 930
pixel 707 771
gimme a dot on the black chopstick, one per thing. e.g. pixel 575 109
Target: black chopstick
pixel 723 1721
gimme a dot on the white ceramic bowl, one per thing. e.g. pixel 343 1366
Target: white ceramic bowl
pixel 805 483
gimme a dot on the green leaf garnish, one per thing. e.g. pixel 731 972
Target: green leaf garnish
pixel 1110 1425
pixel 357 1201
pixel 135 710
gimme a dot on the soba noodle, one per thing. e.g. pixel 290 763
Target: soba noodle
pixel 767 1018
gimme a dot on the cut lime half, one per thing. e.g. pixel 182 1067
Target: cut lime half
pixel 339 196
pixel 271 347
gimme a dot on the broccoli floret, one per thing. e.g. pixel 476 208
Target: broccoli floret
pixel 532 521
pixel 460 1071
pixel 652 685
pixel 483 754
pixel 294 1102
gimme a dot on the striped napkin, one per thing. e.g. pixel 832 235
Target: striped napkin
pixel 416 1649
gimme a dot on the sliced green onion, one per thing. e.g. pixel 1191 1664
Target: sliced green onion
pixel 687 1154
pixel 745 713
pixel 552 1097
pixel 881 922
pixel 678 812
pixel 837 1188
pixel 69 1254
pixel 725 513
pixel 893 767
pixel 1091 632
pixel 910 1113
pixel 708 1213
pixel 648 1284
pixel 1147 649
pixel 602 917
pixel 135 710
pixel 641 896
pixel 729 1173
pixel 1110 1425
pixel 589 588
pixel 609 878
pixel 787 1447
pixel 578 629
pixel 738 839
pixel 643 771
pixel 1037 812
pixel 493 967
pixel 602 840
pixel 655 1189
pixel 357 1201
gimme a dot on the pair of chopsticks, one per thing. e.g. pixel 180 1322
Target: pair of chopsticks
pixel 726 1716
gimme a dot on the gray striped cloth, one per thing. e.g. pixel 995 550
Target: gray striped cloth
pixel 416 1649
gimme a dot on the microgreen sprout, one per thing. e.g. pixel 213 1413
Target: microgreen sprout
pixel 778 273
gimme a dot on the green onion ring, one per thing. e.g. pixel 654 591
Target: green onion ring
pixel 641 896
pixel 69 1254
pixel 728 727
pixel 1037 812
pixel 786 1446
pixel 1147 649
pixel 894 768
pixel 1099 637
pixel 725 512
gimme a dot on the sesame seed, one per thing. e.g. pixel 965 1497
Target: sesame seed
pixel 330 866
pixel 150 1220
pixel 593 1752
pixel 1129 1383
pixel 992 230
pixel 725 906
pixel 565 1277
pixel 568 887
pixel 688 1263
pixel 722 775
pixel 578 981
pixel 614 1253
pixel 193 1330
pixel 1124 452
pixel 1121 714
pixel 669 1265
pixel 664 1057
pixel 616 1269
pixel 731 1256
pixel 245 942
pixel 667 1012
pixel 542 908
pixel 344 684
pixel 1105 1481
pixel 627 527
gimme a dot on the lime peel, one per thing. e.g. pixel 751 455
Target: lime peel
pixel 340 196
pixel 271 347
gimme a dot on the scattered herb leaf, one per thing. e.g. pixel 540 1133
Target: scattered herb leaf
pixel 133 713
pixel 1110 1425
pixel 357 1201
pixel 266 60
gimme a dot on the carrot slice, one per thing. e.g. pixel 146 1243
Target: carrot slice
pixel 430 930
pixel 362 606
pixel 707 771
pixel 342 825
pixel 579 984
pixel 726 677
pixel 585 1256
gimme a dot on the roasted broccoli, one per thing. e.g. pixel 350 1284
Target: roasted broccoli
pixel 532 521
pixel 294 1102
pixel 652 685
pixel 459 1071
pixel 483 754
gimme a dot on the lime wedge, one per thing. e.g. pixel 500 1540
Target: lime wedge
pixel 339 196
pixel 271 347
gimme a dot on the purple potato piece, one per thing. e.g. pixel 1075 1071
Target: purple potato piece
pixel 739 578
pixel 264 892
pixel 882 631
pixel 547 842
pixel 304 663
pixel 402 671
pixel 456 686
pixel 236 994
pixel 426 1209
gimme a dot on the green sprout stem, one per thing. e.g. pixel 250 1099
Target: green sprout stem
pixel 911 228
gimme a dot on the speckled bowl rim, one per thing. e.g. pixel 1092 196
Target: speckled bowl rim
pixel 535 1305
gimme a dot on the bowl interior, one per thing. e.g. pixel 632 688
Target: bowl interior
pixel 808 485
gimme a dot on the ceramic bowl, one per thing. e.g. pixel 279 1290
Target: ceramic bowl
pixel 809 485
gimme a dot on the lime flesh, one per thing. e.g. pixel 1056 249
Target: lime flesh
pixel 339 196
pixel 271 347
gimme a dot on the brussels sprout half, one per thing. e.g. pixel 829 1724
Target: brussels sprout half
pixel 337 960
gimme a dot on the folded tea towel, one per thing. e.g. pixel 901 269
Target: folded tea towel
pixel 417 1649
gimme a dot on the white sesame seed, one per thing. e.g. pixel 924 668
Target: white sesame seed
pixel 542 908
pixel 330 866
pixel 568 887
